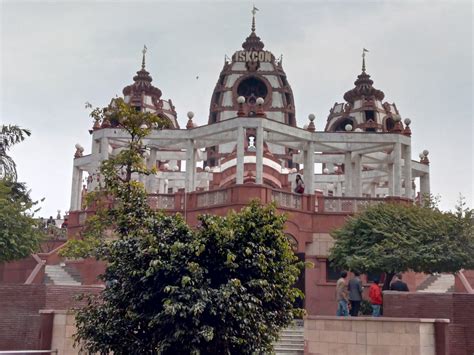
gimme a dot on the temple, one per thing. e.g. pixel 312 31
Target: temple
pixel 252 148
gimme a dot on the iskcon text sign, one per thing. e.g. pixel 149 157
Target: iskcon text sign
pixel 252 56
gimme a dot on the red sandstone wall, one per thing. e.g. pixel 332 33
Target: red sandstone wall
pixel 17 272
pixel 458 307
pixel 458 286
pixel 89 269
pixel 19 311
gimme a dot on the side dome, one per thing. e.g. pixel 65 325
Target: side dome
pixel 364 109
pixel 252 73
pixel 145 97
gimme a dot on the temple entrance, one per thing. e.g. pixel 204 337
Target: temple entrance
pixel 300 283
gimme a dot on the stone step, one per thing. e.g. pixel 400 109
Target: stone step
pixel 57 275
pixel 441 284
pixel 290 341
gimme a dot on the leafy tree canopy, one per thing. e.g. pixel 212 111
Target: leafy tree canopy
pixel 19 235
pixel 225 287
pixel 9 136
pixel 398 237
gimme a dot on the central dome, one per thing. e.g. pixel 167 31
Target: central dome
pixel 252 73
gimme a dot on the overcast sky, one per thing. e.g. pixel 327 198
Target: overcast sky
pixel 55 56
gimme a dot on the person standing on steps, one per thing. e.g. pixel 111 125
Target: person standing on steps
pixel 375 297
pixel 299 189
pixel 341 296
pixel 398 284
pixel 355 293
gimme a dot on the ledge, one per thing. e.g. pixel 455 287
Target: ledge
pixel 378 319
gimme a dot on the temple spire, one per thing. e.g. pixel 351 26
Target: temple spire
pixel 143 58
pixel 254 11
pixel 363 59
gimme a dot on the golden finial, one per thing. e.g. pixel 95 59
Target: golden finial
pixel 254 11
pixel 143 59
pixel 363 58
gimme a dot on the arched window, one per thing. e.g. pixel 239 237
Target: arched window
pixel 341 126
pixel 252 87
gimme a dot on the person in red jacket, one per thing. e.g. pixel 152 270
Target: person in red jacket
pixel 375 296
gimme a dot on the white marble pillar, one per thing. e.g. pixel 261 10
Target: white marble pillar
pixel 356 173
pixel 150 164
pixel 259 157
pixel 240 155
pixel 104 148
pixel 425 185
pixel 407 171
pixel 373 189
pixel 309 168
pixel 348 174
pixel 390 179
pixel 76 189
pixel 190 166
pixel 397 169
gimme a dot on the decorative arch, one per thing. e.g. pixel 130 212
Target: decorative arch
pixel 340 124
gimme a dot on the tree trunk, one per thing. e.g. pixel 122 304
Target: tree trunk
pixel 388 278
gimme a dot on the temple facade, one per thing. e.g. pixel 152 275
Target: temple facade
pixel 252 148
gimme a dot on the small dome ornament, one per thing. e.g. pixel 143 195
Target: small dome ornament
pixel 166 166
pixel 424 157
pixel 326 171
pixel 79 151
pixel 398 128
pixel 240 103
pixel 348 127
pixel 96 125
pixel 207 169
pixel 259 103
pixel 407 129
pixel 190 123
pixel 311 126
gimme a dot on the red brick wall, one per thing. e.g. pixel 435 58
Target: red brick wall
pixel 19 311
pixel 17 271
pixel 457 307
pixel 458 285
pixel 463 314
pixel 19 317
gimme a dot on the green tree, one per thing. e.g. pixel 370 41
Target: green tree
pixel 9 136
pixel 19 235
pixel 394 238
pixel 225 287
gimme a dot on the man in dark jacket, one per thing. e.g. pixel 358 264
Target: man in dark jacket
pixel 398 284
pixel 355 293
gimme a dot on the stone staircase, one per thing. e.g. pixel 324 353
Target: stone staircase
pixel 438 283
pixel 291 341
pixel 61 275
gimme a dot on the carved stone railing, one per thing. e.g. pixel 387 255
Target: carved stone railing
pixel 162 201
pixel 211 198
pixel 286 199
pixel 347 204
